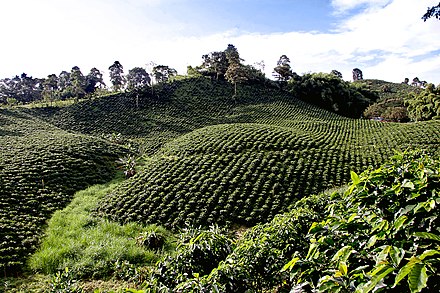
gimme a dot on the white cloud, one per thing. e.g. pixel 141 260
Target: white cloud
pixel 389 43
pixel 342 6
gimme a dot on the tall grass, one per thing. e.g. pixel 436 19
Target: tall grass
pixel 90 246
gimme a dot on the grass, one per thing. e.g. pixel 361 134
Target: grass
pixel 89 246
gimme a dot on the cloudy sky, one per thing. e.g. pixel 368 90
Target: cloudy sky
pixel 386 39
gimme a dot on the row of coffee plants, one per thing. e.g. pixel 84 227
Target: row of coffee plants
pixel 379 234
pixel 248 173
pixel 40 168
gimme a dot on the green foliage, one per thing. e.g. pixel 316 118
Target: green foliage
pixel 198 252
pixel 63 282
pixel 40 169
pixel 93 247
pixel 248 172
pixel 332 93
pixel 381 231
pixel 128 164
pixel 378 234
pixel 390 105
pixel 424 105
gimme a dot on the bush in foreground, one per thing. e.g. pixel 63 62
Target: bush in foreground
pixel 381 234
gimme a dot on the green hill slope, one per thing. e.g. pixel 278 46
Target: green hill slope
pixel 40 168
pixel 175 109
pixel 244 173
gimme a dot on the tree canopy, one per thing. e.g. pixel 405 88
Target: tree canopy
pixel 433 11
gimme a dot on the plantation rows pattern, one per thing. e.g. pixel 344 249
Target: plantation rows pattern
pixel 247 173
pixel 40 169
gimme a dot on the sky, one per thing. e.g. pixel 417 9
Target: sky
pixel 386 39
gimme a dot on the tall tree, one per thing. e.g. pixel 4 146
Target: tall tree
pixel 137 80
pixel 236 71
pixel 357 74
pixel 94 80
pixel 50 88
pixel 163 73
pixel 336 73
pixel 117 76
pixel 283 71
pixel 78 82
pixel 64 84
pixel 215 64
pixel 433 11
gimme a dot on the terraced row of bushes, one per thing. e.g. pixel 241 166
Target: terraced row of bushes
pixel 379 234
pixel 247 173
pixel 40 169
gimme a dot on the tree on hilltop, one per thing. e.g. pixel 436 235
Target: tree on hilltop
pixel 117 76
pixel 336 73
pixel 433 11
pixel 50 88
pixel 94 80
pixel 137 80
pixel 78 82
pixel 357 74
pixel 163 73
pixel 236 71
pixel 283 71
pixel 215 64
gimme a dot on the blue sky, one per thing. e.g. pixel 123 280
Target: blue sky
pixel 386 39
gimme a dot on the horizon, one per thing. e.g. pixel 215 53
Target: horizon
pixel 386 39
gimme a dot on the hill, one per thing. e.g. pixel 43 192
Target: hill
pixel 391 103
pixel 210 156
pixel 40 168
pixel 245 173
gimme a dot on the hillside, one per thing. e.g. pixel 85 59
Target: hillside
pixel 208 157
pixel 391 103
pixel 245 173
pixel 40 169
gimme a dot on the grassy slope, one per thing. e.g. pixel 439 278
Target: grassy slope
pixel 40 168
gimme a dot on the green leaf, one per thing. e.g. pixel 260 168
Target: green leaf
pixel 428 253
pixel 407 184
pixel 352 217
pixel 397 255
pixel 399 222
pixel 405 270
pixel 290 264
pixel 313 249
pixel 371 241
pixel 315 227
pixel 378 274
pixel 355 178
pixel 343 268
pixel 342 254
pixel 417 278
pixel 427 235
pixel 383 254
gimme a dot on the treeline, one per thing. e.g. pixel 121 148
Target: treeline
pixel 326 90
pixel 25 89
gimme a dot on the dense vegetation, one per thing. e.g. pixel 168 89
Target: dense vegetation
pixel 330 92
pixel 379 234
pixel 247 173
pixel 40 168
pixel 212 152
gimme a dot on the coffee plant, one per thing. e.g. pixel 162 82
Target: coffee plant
pixel 40 169
pixel 382 234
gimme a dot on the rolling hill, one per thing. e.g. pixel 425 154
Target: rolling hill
pixel 41 167
pixel 209 157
